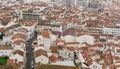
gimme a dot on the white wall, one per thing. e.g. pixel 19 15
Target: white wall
pixel 40 39
pixel 69 38
pixel 47 43
pixel 95 66
pixel 28 1
pixel 53 37
pixel 85 38
pixel 42 59
pixel 111 31
pixel 18 57
pixel 6 52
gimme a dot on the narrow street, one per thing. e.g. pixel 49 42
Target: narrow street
pixel 29 53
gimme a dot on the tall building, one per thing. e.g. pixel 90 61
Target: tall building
pixel 27 1
pixel 95 5
pixel 68 2
pixel 83 3
pixel 111 30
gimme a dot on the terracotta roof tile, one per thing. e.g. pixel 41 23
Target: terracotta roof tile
pixel 18 42
pixel 103 66
pixel 40 52
pixel 118 61
pixel 71 48
pixel 59 40
pixel 116 57
pixel 91 50
pixel 87 57
pixel 2 29
pixel 19 52
pixel 10 61
pixel 118 50
pixel 53 58
pixel 109 58
pixel 80 32
pixel 113 44
pixel 19 35
pixel 54 49
pixel 70 31
pixel 72 43
pixel 25 23
pixel 29 23
pixel 45 34
pixel 99 44
pixel 115 67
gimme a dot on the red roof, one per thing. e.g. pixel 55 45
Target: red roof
pixel 45 34
pixel 91 50
pixel 118 50
pixel 18 42
pixel 115 67
pixel 108 59
pixel 19 35
pixel 54 49
pixel 70 31
pixel 72 43
pixel 2 29
pixel 29 23
pixel 112 44
pixel 71 48
pixel 99 44
pixel 87 57
pixel 53 58
pixel 59 40
pixel 10 61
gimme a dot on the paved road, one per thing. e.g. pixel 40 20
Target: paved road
pixel 29 53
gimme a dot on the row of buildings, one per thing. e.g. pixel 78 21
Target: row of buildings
pixel 69 36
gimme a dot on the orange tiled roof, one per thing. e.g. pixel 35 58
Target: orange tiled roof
pixel 45 34
pixel 19 52
pixel 87 57
pixel 53 58
pixel 71 48
pixel 118 50
pixel 29 23
pixel 54 49
pixel 115 67
pixel 2 29
pixel 72 43
pixel 19 35
pixel 10 61
pixel 59 40
pixel 40 52
pixel 18 42
pixel 113 44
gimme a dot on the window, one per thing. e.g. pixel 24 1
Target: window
pixel 41 59
pixel 94 66
pixel 39 38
